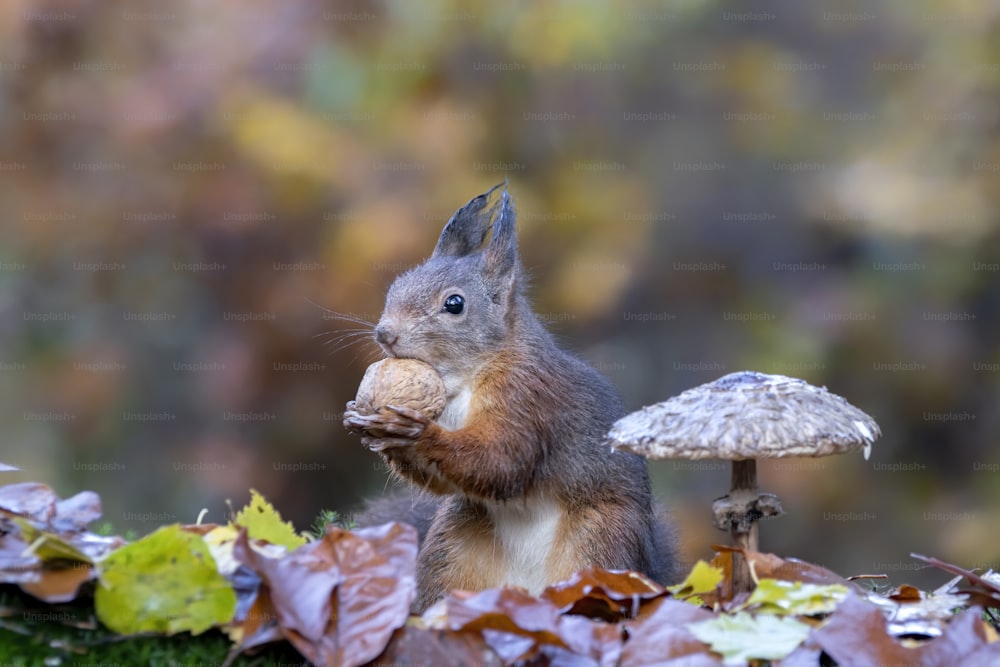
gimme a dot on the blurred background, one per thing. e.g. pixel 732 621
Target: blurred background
pixel 802 188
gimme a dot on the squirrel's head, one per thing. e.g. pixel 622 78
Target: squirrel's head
pixel 458 307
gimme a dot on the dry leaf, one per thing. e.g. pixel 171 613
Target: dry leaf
pixel 856 636
pixel 339 599
pixel 603 594
pixel 416 646
pixel 661 639
pixel 521 627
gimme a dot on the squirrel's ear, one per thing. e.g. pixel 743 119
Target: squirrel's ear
pixel 501 253
pixel 466 231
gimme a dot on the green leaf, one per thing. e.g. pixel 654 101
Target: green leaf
pixel 741 637
pixel 263 522
pixel 703 578
pixel 47 545
pixel 165 582
pixel 796 598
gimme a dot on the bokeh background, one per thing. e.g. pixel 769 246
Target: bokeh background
pixel 804 188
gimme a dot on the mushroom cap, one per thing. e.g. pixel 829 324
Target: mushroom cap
pixel 747 415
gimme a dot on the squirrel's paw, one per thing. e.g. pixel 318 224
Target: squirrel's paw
pixel 382 444
pixel 392 426
pixel 353 420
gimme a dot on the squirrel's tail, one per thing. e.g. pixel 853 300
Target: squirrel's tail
pixel 667 567
pixel 409 505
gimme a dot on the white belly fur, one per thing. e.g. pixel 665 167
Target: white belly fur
pixel 456 410
pixel 525 530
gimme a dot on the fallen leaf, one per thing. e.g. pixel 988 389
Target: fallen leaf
pixel 31 500
pixel 974 578
pixel 15 564
pixel 257 624
pixel 770 566
pixel 963 638
pixel 75 512
pixel 702 579
pixel 165 582
pixel 339 599
pixel 985 655
pixel 263 522
pixel 741 637
pixel 804 656
pixel 856 636
pixel 48 545
pixel 772 596
pixel 985 591
pixel 55 585
pixel 661 638
pixel 440 648
pixel 906 593
pixel 520 627
pixel 43 547
pixel 607 595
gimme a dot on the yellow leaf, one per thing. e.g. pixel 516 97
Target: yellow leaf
pixel 795 598
pixel 165 582
pixel 263 522
pixel 703 578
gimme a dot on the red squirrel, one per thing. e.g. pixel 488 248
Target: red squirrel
pixel 526 488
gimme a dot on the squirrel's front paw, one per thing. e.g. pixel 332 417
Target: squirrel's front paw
pixel 392 426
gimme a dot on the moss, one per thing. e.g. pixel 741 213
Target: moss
pixel 33 634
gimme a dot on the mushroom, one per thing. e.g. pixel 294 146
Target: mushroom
pixel 743 417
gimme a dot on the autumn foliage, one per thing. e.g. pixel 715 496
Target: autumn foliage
pixel 343 598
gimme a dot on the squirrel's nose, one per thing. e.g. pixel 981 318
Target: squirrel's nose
pixel 385 335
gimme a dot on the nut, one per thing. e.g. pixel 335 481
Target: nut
pixel 404 382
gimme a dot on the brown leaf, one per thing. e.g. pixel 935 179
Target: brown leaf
pixel 31 500
pixel 769 566
pixel 906 593
pixel 955 569
pixel 201 529
pixel 416 646
pixel 521 627
pixel 54 585
pixel 660 637
pixel 723 560
pixel 963 637
pixel 803 656
pixel 981 598
pixel 855 636
pixel 989 598
pixel 339 599
pixel 58 538
pixel 15 566
pixel 603 594
pixel 75 512
pixel 985 655
pixel 260 623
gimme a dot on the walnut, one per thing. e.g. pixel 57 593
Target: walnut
pixel 404 382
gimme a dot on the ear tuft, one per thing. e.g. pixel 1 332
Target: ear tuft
pixel 466 232
pixel 501 254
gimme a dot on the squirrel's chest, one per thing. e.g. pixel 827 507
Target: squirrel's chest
pixel 457 409
pixel 527 534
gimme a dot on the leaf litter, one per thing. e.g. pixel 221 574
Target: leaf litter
pixel 344 598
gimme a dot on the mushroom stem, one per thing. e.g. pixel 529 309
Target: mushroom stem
pixel 745 533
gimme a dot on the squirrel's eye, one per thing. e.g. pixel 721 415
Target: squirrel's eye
pixel 454 304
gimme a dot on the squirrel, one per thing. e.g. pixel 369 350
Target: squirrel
pixel 526 489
